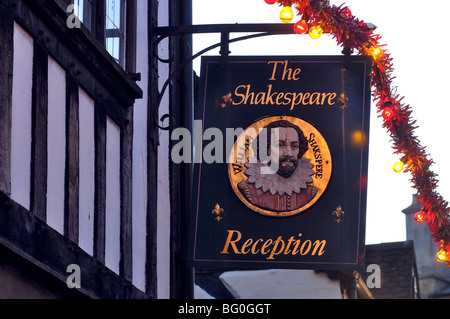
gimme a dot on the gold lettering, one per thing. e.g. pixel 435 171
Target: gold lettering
pixel 247 243
pixel 249 94
pixel 315 99
pixel 295 101
pixel 242 96
pixel 297 243
pixel 260 98
pixel 275 65
pixel 270 247
pixel 302 249
pixel 287 99
pixel 319 244
pixel 254 252
pixel 288 73
pixel 232 242
pixel 331 97
pixel 324 96
pixel 296 73
pixel 290 240
pixel 274 252
pixel 305 97
pixel 279 96
pixel 269 95
pixel 286 70
pixel 266 245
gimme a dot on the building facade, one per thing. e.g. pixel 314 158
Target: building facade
pixel 434 277
pixel 87 207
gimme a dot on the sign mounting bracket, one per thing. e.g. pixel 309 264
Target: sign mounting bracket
pixel 256 30
pixel 161 33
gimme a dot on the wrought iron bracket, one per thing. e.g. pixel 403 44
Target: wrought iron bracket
pixel 161 33
pixel 255 30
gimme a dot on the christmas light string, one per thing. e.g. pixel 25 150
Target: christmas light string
pixel 317 17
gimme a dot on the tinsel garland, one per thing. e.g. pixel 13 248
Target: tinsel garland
pixel 356 35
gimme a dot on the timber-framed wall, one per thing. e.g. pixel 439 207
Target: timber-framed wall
pixel 92 75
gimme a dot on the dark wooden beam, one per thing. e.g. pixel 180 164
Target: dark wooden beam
pixel 72 178
pixel 181 111
pixel 100 183
pixel 126 211
pixel 38 196
pixel 131 37
pixel 6 74
pixel 152 158
pixel 100 21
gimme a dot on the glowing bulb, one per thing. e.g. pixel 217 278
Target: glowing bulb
pixel 398 166
pixel 420 217
pixel 286 14
pixel 300 27
pixel 387 113
pixel 376 52
pixel 315 32
pixel 442 256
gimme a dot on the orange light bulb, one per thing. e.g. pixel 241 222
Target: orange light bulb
pixel 442 256
pixel 376 52
pixel 420 217
pixel 398 166
pixel 300 27
pixel 387 113
pixel 286 14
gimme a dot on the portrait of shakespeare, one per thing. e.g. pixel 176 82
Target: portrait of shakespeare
pixel 290 187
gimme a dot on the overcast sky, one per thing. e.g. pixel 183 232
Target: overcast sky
pixel 413 31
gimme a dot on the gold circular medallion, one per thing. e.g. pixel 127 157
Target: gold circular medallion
pixel 279 166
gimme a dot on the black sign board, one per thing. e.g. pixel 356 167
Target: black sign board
pixel 281 158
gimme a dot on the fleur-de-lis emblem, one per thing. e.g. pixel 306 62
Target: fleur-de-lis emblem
pixel 226 100
pixel 338 212
pixel 217 211
pixel 343 100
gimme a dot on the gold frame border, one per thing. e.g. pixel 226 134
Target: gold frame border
pixel 307 128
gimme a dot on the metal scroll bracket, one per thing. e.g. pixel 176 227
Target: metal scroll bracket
pixel 255 30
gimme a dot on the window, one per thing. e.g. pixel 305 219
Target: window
pixel 106 19
pixel 85 11
pixel 115 30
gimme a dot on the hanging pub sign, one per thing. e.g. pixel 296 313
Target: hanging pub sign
pixel 281 158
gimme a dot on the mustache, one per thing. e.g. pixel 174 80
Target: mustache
pixel 288 158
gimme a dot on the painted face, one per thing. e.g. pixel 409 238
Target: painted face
pixel 284 149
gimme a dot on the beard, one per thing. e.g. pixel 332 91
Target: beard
pixel 287 166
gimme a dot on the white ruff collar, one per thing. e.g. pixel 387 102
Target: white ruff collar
pixel 279 184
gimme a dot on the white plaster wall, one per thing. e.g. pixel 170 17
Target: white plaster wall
pixel 56 145
pixel 87 172
pixel 112 227
pixel 21 117
pixel 139 193
pixel 163 240
pixel 281 284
